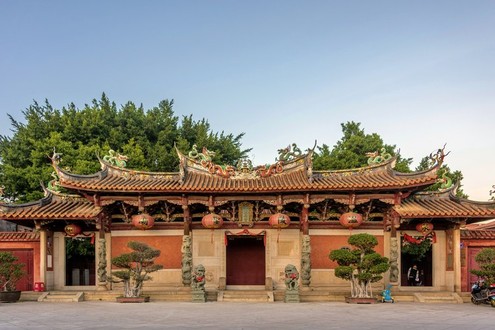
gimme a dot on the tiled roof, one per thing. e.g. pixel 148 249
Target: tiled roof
pixel 19 236
pixel 478 234
pixel 292 175
pixel 51 207
pixel 444 205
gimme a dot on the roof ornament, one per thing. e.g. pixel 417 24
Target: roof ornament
pixel 116 159
pixel 288 153
pixel 378 157
pixel 438 157
pixel 492 193
pixel 204 156
pixel 445 182
pixel 244 165
pixel 54 185
pixel 56 157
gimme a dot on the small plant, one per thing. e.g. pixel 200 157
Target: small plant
pixel 360 265
pixel 134 268
pixel 486 260
pixel 10 271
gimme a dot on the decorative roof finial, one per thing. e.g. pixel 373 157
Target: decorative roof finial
pixel 56 157
pixel 377 158
pixel 438 157
pixel 116 159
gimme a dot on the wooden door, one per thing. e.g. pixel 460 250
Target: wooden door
pixel 25 257
pixel 472 264
pixel 245 260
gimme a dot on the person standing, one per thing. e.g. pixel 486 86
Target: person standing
pixel 413 275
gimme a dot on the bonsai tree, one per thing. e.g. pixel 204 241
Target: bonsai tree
pixel 134 268
pixel 10 271
pixel 360 265
pixel 486 260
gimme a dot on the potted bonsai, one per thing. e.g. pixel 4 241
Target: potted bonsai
pixel 133 270
pixel 360 265
pixel 10 272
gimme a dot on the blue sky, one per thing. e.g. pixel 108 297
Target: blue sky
pixel 418 73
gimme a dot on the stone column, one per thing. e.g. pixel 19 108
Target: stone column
pixel 43 242
pixel 102 265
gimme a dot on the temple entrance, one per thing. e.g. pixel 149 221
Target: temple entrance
pixel 423 264
pixel 80 265
pixel 245 260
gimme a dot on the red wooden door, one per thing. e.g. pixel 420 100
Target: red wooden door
pixel 245 261
pixel 472 264
pixel 25 257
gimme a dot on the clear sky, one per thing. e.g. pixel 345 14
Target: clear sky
pixel 418 73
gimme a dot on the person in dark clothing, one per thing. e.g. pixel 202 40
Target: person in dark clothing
pixel 413 276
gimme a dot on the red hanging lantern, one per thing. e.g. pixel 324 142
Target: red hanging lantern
pixel 279 220
pixel 72 230
pixel 212 221
pixel 351 220
pixel 425 228
pixel 143 221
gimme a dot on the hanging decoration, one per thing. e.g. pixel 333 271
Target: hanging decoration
pixel 418 246
pixel 351 220
pixel 212 221
pixel 279 221
pixel 425 228
pixel 142 221
pixel 72 230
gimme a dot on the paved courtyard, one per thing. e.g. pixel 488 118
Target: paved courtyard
pixel 215 315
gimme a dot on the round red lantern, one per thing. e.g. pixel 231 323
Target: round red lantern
pixel 72 230
pixel 212 221
pixel 279 220
pixel 143 221
pixel 351 220
pixel 424 228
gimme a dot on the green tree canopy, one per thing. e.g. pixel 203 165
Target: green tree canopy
pixel 486 261
pixel 361 265
pixel 147 137
pixel 350 151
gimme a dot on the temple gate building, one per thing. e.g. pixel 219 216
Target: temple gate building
pixel 245 224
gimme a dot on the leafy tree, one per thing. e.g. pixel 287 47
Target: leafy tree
pixel 10 271
pixel 147 137
pixel 486 260
pixel 134 268
pixel 350 151
pixel 361 265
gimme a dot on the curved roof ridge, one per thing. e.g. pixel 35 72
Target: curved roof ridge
pixel 390 163
pixel 106 165
pixel 40 202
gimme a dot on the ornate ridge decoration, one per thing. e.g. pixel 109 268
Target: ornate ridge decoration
pixel 377 158
pixel 445 182
pixel 437 158
pixel 116 159
pixel 289 157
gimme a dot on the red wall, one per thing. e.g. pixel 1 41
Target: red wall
pixel 322 245
pixel 170 246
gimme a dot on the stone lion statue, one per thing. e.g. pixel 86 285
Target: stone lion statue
pixel 291 277
pixel 198 278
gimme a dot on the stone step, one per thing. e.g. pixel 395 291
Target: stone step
pixel 245 296
pixel 61 297
pixel 438 297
